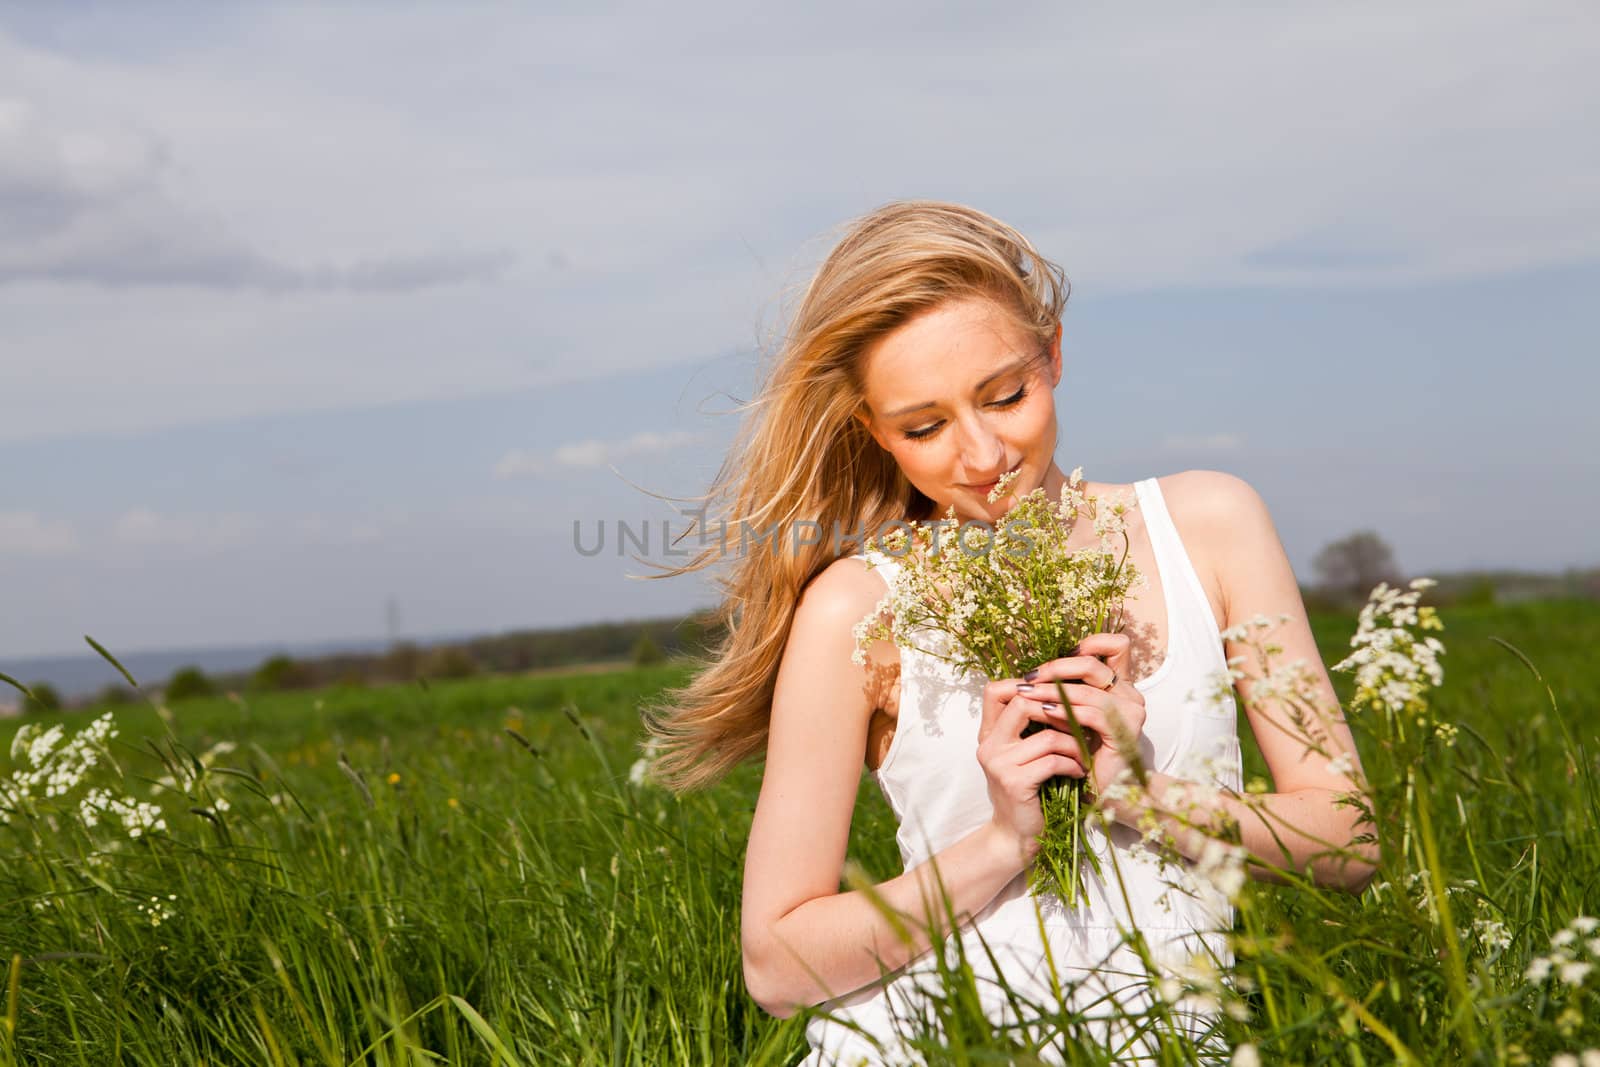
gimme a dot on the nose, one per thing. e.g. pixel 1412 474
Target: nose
pixel 982 451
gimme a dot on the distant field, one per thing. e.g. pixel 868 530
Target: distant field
pixel 393 877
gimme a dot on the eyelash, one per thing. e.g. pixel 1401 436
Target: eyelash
pixel 1011 401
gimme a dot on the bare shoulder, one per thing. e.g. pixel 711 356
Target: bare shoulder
pixel 1226 529
pixel 844 591
pixel 1207 498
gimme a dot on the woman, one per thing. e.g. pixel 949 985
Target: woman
pixel 918 370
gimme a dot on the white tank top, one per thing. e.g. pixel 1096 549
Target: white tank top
pixel 932 781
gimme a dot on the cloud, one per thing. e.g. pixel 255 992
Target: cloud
pixel 654 217
pixel 144 528
pixel 521 463
pixel 29 534
pixel 90 205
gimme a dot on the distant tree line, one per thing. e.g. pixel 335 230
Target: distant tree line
pixel 1346 572
pixel 639 642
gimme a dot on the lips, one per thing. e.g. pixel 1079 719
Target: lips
pixel 988 486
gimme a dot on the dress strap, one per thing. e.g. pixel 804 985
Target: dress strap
pixel 1189 615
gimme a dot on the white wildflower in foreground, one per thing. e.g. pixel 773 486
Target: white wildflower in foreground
pixel 639 773
pixel 1194 983
pixel 190 777
pixel 1291 695
pixel 1394 667
pixel 157 910
pixel 1571 959
pixel 1223 865
pixel 54 767
pixel 136 816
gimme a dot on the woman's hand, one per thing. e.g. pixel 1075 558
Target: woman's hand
pixel 1102 697
pixel 1017 766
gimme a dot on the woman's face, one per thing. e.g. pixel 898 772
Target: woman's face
pixel 957 398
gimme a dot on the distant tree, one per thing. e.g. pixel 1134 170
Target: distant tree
pixel 44 699
pixel 352 679
pixel 1353 565
pixel 646 652
pixel 187 683
pixel 280 672
pixel 449 661
pixel 403 661
pixel 115 693
pixel 1479 592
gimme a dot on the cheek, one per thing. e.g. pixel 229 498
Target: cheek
pixel 1040 420
pixel 918 461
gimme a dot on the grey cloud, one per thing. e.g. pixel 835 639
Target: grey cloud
pixel 91 208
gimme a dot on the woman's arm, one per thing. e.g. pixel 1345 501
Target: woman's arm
pixel 804 941
pixel 1302 826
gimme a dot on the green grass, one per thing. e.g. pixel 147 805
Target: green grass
pixel 398 879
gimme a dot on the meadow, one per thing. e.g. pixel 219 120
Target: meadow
pixel 466 872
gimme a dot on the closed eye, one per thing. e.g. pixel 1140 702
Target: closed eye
pixel 928 431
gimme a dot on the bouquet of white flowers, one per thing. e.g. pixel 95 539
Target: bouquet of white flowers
pixel 1020 599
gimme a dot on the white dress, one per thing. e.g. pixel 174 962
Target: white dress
pixel 932 781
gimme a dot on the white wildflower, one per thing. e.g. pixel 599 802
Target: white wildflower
pixel 1245 1056
pixel 639 773
pixel 1223 865
pixel 41 747
pixel 1192 984
pixel 1394 667
pixel 1491 933
pixel 1584 924
pixel 157 910
pixel 1574 973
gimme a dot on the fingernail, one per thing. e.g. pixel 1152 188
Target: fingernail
pixel 1031 675
pixel 1050 706
pixel 1024 688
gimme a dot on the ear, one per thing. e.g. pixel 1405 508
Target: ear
pixel 1055 358
pixel 865 419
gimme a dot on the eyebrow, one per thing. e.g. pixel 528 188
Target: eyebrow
pixel 1015 365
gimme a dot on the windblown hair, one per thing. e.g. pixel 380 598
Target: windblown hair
pixel 802 457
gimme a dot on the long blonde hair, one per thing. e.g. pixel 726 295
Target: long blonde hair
pixel 802 457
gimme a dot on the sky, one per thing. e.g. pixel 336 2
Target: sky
pixel 327 322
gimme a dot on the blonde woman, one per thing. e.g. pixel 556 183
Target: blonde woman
pixel 919 368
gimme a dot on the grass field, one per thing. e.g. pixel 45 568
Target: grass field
pixel 463 872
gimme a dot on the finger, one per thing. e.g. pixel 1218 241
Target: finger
pixel 1011 714
pixel 1115 649
pixel 1076 694
pixel 1043 743
pixel 1104 716
pixel 995 696
pixel 1072 725
pixel 1041 770
pixel 1069 668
